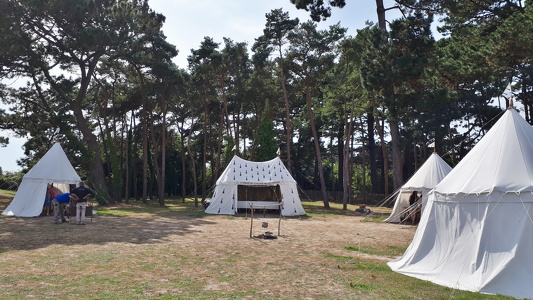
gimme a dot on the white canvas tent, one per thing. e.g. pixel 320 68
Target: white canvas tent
pixel 476 231
pixel 241 175
pixel 53 167
pixel 424 180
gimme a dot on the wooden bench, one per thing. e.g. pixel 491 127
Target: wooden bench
pixel 257 204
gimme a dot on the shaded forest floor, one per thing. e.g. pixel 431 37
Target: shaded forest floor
pixel 178 252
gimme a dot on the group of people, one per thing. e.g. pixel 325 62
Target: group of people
pixel 77 196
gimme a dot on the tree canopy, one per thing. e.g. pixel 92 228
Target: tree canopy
pixel 342 109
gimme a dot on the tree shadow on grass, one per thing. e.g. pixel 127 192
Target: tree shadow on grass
pixel 133 223
pixel 40 232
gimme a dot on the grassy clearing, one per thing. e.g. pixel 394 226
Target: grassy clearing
pixel 148 251
pixel 383 251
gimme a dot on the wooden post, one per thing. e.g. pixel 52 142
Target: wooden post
pixel 279 222
pixel 252 219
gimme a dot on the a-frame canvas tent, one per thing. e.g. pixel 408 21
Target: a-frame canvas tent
pixel 271 176
pixel 424 180
pixel 476 231
pixel 53 167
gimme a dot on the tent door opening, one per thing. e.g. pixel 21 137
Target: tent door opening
pixel 412 206
pixel 266 197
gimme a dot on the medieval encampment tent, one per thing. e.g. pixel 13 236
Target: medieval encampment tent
pixel 261 184
pixel 476 230
pixel 54 167
pixel 424 180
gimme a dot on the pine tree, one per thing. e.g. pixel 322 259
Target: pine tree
pixel 266 137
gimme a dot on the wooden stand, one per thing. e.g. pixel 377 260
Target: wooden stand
pixel 279 205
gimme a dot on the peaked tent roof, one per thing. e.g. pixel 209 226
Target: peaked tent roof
pixel 429 174
pixel 53 167
pixel 425 179
pixel 475 233
pixel 243 171
pixel 501 161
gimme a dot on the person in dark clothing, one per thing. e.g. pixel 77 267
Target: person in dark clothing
pixel 414 207
pixel 81 205
pixel 413 198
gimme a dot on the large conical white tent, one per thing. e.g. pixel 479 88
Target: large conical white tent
pixel 270 175
pixel 424 180
pixel 53 167
pixel 476 231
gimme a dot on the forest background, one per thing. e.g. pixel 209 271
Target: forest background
pixel 352 114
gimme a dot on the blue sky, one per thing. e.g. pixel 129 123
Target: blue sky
pixel 189 21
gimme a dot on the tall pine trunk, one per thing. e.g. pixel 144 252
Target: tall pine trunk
pixel 183 164
pixel 144 116
pixel 397 161
pixel 384 153
pixel 371 144
pixel 397 155
pixel 340 153
pixel 193 163
pixel 163 156
pixel 317 148
pixel 287 112
pixel 346 183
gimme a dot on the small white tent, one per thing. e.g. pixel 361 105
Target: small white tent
pixel 424 180
pixel 53 167
pixel 271 181
pixel 476 231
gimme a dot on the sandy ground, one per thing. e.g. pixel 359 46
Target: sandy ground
pixel 218 250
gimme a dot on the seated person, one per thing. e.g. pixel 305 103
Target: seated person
pixel 362 209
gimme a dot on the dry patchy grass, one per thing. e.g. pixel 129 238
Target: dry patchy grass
pixel 178 252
